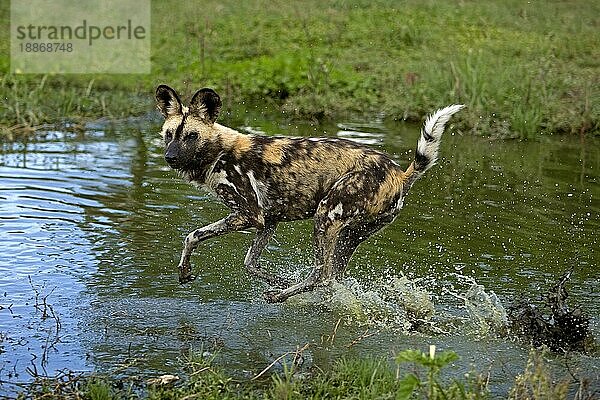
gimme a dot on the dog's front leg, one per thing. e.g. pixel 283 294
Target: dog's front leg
pixel 233 222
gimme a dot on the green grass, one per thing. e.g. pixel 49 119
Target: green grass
pixel 413 375
pixel 349 378
pixel 524 69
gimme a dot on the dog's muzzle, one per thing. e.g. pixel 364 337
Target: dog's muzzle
pixel 172 161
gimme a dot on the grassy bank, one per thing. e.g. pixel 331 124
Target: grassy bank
pixel 523 68
pixel 412 375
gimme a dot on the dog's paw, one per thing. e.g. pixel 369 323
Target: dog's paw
pixel 273 296
pixel 186 278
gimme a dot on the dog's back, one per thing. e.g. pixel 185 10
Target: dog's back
pixel 290 176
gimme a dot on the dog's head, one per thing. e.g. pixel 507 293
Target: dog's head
pixel 187 131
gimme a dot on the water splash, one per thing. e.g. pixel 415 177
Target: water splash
pixel 486 312
pixel 399 303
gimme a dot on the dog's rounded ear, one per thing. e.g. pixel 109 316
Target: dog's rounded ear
pixel 168 101
pixel 206 104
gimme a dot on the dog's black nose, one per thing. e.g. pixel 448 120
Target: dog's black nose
pixel 171 160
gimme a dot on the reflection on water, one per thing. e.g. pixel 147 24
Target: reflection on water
pixel 91 228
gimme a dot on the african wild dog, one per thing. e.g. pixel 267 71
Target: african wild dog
pixel 350 191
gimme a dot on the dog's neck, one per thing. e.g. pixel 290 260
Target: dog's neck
pixel 232 141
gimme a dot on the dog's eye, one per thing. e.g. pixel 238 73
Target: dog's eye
pixel 168 136
pixel 192 136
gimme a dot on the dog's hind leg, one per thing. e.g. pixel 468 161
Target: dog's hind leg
pixel 277 296
pixel 251 261
pixel 350 238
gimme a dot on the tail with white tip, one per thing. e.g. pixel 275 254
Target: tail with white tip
pixel 429 143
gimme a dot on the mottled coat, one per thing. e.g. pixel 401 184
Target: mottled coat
pixel 350 191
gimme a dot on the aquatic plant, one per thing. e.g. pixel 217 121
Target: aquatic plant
pixel 552 323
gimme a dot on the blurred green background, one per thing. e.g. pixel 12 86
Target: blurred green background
pixel 525 69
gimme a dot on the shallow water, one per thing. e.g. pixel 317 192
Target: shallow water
pixel 91 226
